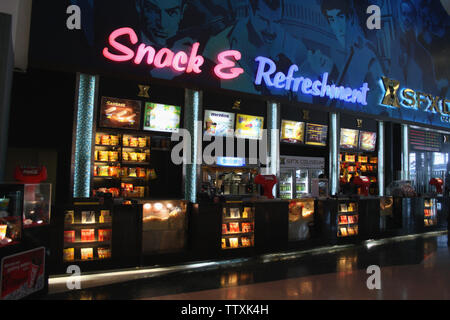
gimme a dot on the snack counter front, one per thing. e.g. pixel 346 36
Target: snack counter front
pixel 239 228
pixel 99 235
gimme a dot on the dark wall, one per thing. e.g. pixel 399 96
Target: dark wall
pixel 41 117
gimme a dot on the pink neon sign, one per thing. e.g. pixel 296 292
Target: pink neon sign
pixel 189 62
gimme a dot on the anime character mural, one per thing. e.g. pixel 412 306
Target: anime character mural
pixel 361 64
pixel 259 34
pixel 319 36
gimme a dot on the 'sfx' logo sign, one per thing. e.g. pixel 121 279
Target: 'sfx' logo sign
pixel 391 88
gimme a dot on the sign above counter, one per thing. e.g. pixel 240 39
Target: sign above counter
pixel 222 46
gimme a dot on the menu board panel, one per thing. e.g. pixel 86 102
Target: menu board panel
pixel 218 123
pixel 120 113
pixel 425 140
pixel 162 117
pixel 249 127
pixel 349 138
pixel 367 141
pixel 292 131
pixel 316 134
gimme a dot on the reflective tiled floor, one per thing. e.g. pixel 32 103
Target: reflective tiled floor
pixel 411 268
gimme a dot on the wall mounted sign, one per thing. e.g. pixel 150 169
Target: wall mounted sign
pixel 220 47
pixel 120 113
pixel 302 162
pixel 230 162
pixel 218 123
pixel 421 140
pixel 143 91
pixel 316 134
pixel 267 72
pixel 398 97
pixel 162 118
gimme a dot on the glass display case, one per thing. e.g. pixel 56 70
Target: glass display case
pixel 37 205
pixel 164 226
pixel 87 233
pixel 297 174
pixel 238 226
pixel 301 182
pixel 11 210
pixel 429 212
pixel 122 164
pixel 347 218
pixel 359 164
pixel 286 184
pixel 301 219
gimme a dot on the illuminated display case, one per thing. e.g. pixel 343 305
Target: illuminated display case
pixel 301 219
pixel 286 184
pixel 164 226
pixel 11 211
pixel 359 164
pixel 37 205
pixel 297 174
pixel 122 164
pixel 87 233
pixel 429 212
pixel 347 218
pixel 238 226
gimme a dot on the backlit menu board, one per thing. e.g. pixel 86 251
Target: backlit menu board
pixel 249 127
pixel 120 113
pixel 349 138
pixel 421 140
pixel 292 131
pixel 218 123
pixel 162 117
pixel 316 134
pixel 367 141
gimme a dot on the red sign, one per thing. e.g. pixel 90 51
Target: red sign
pixel 22 274
pixel 188 62
pixel 30 174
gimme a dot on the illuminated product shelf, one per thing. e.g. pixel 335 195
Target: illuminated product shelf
pixel 238 226
pixel 121 164
pixel 347 219
pixel 430 212
pixel 87 234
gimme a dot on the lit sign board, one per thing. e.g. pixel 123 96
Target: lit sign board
pixel 188 62
pixel 411 99
pixel 266 72
pixel 230 162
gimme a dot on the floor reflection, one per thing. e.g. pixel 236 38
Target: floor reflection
pixel 414 268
